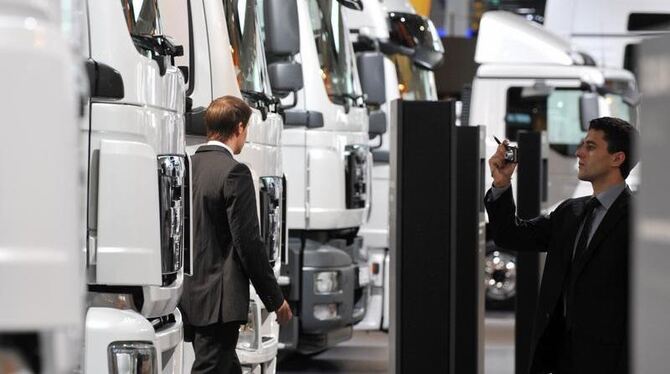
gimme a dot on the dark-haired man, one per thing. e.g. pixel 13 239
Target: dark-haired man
pixel 227 244
pixel 581 324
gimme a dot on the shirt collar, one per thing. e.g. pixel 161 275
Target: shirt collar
pixel 607 197
pixel 221 144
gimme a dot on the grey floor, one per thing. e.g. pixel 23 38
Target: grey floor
pixel 367 352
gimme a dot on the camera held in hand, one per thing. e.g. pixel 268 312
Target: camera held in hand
pixel 511 152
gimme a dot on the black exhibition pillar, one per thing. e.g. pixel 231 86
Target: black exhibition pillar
pixel 468 253
pixel 422 154
pixel 529 196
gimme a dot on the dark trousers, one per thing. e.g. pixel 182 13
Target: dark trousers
pixel 214 347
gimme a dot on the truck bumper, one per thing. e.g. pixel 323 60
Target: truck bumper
pixel 105 326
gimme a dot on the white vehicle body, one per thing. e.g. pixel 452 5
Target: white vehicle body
pixel 531 79
pixel 403 79
pixel 323 213
pixel 210 59
pixel 607 29
pixel 137 172
pixel 42 280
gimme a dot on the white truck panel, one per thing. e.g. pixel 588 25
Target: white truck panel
pixel 41 184
pixel 128 245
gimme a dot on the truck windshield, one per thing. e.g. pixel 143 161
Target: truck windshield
pixel 414 83
pixel 335 55
pixel 246 45
pixel 557 114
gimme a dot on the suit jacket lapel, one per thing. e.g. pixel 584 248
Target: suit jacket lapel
pixel 616 212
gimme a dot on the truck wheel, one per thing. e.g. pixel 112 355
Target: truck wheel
pixel 499 278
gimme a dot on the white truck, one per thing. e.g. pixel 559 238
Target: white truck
pixel 224 56
pixel 41 278
pixel 411 50
pixel 327 163
pixel 609 31
pixel 531 79
pixel 137 244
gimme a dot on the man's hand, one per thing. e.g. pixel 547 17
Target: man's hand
pixel 501 170
pixel 284 313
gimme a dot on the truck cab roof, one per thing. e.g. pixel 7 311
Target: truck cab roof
pixel 507 38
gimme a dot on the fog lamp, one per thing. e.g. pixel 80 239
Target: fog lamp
pixel 325 312
pixel 132 357
pixel 249 337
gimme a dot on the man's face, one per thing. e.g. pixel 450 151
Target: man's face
pixel 595 161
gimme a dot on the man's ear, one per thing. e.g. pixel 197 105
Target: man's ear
pixel 618 158
pixel 240 129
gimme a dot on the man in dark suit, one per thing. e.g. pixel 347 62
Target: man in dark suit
pixel 581 324
pixel 227 244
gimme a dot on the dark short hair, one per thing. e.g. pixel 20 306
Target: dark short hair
pixel 620 136
pixel 224 113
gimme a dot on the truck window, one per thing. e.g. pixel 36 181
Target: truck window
pixel 335 55
pixel 142 17
pixel 556 113
pixel 413 82
pixel 246 45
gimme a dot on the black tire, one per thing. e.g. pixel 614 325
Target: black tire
pixel 499 278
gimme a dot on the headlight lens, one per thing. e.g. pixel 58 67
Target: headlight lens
pixel 249 333
pixel 271 192
pixel 326 282
pixel 171 172
pixel 325 312
pixel 132 358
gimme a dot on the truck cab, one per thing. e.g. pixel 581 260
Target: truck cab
pixel 223 53
pixel 410 50
pixel 137 243
pixel 533 80
pixel 612 39
pixel 42 215
pixel 327 163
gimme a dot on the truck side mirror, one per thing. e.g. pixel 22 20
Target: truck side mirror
pixel 285 77
pixel 282 32
pixel 588 109
pixel 377 123
pixel 371 74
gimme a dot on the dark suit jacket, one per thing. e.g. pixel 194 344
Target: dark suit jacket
pixel 227 246
pixel 597 284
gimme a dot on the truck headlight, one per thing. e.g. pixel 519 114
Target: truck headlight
pixel 171 173
pixel 325 312
pixel 132 357
pixel 271 193
pixel 355 175
pixel 249 337
pixel 326 282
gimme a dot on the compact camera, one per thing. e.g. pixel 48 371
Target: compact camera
pixel 511 152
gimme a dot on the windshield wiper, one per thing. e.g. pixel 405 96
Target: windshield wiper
pixel 256 96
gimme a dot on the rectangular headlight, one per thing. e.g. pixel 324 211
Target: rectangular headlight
pixel 325 312
pixel 132 358
pixel 271 196
pixel 171 173
pixel 326 282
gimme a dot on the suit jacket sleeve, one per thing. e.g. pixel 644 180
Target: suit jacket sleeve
pixel 513 233
pixel 244 228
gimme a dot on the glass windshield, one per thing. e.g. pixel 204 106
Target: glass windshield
pixel 246 45
pixel 618 108
pixel 142 17
pixel 412 31
pixel 335 55
pixel 413 83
